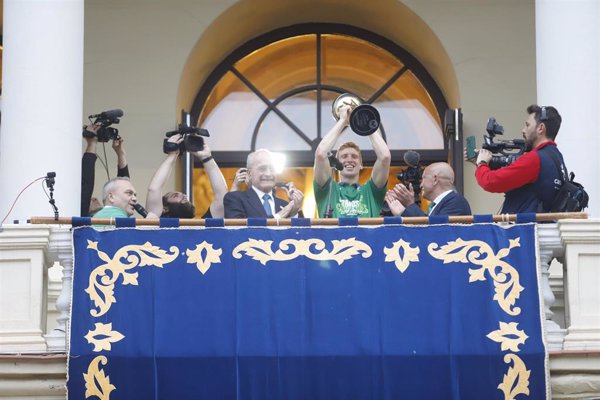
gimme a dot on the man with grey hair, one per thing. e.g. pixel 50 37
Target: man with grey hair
pixel 119 199
pixel 259 200
pixel 438 188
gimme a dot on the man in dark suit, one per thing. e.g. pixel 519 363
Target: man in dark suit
pixel 259 200
pixel 438 188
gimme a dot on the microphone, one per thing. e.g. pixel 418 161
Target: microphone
pixel 334 162
pixel 50 184
pixel 412 158
pixel 110 114
pixel 141 210
pixel 50 179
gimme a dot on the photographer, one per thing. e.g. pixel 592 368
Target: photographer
pixel 438 188
pixel 176 204
pixel 531 182
pixel 89 204
pixel 348 198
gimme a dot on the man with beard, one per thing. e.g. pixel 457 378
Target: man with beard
pixel 347 198
pixel 259 200
pixel 177 204
pixel 532 181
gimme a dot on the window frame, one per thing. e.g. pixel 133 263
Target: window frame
pixel 306 158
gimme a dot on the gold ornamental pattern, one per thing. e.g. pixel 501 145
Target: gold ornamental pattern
pixel 504 275
pixel 96 382
pixel 289 249
pixel 516 379
pixel 103 278
pixel 509 336
pixel 210 256
pixel 401 254
pixel 103 336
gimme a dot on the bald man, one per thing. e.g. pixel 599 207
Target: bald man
pixel 438 188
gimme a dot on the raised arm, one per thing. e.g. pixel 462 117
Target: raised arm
pixel 118 146
pixel 154 196
pixel 88 165
pixel 322 169
pixel 381 168
pixel 216 179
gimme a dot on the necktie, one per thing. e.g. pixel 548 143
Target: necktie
pixel 430 207
pixel 266 205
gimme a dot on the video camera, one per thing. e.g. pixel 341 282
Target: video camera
pixel 105 119
pixel 192 139
pixel 505 158
pixel 413 173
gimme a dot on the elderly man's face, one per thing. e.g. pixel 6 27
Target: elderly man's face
pixel 428 183
pixel 262 172
pixel 123 196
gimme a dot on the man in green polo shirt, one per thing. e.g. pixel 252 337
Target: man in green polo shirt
pixel 119 197
pixel 347 197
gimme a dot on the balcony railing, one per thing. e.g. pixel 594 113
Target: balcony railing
pixel 569 256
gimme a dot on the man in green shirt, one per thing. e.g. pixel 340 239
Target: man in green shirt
pixel 119 197
pixel 347 197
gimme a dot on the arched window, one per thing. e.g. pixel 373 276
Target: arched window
pixel 276 92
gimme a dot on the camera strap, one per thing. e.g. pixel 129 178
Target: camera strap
pixel 557 163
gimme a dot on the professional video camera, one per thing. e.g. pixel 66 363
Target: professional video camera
pixel 412 174
pixel 499 161
pixel 105 119
pixel 192 139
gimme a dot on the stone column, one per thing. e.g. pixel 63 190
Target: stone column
pixel 42 98
pixel 23 284
pixel 568 77
pixel 581 239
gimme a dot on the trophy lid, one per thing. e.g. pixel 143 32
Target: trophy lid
pixel 344 99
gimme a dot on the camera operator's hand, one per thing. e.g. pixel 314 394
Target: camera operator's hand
pixel 91 142
pixel 405 195
pixel 204 153
pixel 119 148
pixel 471 160
pixel 484 156
pixel 395 206
pixel 178 138
pixel 241 177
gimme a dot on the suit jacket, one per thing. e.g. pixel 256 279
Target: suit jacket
pixel 247 204
pixel 452 204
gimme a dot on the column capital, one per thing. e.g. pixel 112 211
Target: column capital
pixel 586 231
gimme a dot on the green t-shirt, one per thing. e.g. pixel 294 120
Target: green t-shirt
pixel 111 212
pixel 350 200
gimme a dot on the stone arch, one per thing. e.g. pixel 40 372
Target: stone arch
pixel 250 18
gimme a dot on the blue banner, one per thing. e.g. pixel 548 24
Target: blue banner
pixel 388 312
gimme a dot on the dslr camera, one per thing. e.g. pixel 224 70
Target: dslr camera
pixel 516 147
pixel 192 139
pixel 105 132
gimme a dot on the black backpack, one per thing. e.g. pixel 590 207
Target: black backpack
pixel 571 195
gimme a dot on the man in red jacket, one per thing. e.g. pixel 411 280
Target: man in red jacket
pixel 531 182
